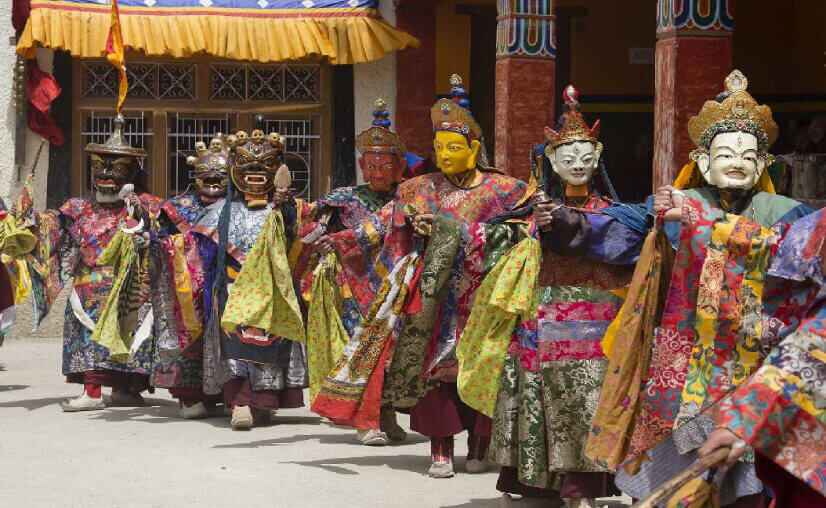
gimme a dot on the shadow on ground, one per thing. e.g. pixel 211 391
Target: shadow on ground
pixel 476 503
pixel 12 388
pixel 410 463
pixel 349 438
pixel 32 404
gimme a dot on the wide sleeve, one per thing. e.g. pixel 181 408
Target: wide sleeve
pixel 781 410
pixel 596 235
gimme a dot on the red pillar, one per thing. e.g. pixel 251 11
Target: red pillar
pixel 693 58
pixel 416 76
pixel 525 77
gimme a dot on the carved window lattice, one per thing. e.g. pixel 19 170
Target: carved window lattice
pixel 146 81
pixel 273 83
pixel 301 149
pixel 177 81
pixel 227 82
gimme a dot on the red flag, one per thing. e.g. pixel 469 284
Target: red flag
pixel 115 54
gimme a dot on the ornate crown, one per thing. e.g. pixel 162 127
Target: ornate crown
pixel 737 111
pixel 214 157
pixel 379 137
pixel 257 143
pixel 573 127
pixel 454 114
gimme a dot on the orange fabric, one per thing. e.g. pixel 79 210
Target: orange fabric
pixel 343 36
pixel 115 54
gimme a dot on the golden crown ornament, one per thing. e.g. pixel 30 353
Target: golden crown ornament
pixel 574 128
pixel 453 114
pixel 736 110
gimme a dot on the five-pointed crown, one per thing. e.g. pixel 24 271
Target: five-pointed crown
pixel 573 127
pixel 735 110
pixel 256 143
pixel 454 114
pixel 379 137
pixel 214 157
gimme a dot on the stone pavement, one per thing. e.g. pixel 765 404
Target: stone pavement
pixel 147 457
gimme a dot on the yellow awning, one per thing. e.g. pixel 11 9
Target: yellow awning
pixel 343 31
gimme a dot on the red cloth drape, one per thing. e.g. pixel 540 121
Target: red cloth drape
pixel 20 10
pixel 42 89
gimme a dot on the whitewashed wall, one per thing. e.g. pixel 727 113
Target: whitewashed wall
pixel 9 184
pixel 373 80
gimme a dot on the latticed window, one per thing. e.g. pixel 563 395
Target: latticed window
pixel 301 149
pixel 277 83
pixel 174 104
pixel 146 80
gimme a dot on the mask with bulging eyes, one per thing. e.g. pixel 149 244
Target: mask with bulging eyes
pixel 110 173
pixel 113 163
pixel 255 161
pixel 210 169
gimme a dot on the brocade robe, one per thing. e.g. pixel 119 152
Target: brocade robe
pixel 555 367
pixel 420 292
pixel 780 410
pixel 178 294
pixel 718 314
pixel 333 313
pixel 71 241
pixel 277 366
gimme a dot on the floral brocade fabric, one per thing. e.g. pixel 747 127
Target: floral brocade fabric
pixel 710 335
pixel 439 283
pixel 84 232
pixel 781 409
pixel 551 382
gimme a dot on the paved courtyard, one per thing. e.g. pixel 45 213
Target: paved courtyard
pixel 147 457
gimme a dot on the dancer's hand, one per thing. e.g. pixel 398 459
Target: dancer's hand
pixel 721 438
pixel 324 245
pixel 544 216
pixel 669 201
pixel 423 224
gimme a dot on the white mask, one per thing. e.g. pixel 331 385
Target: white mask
pixel 575 162
pixel 732 162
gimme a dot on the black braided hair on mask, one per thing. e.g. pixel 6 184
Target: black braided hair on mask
pixel 219 287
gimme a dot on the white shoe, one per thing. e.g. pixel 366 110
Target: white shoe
pixel 194 412
pixel 441 470
pixel 372 437
pixel 580 502
pixel 476 466
pixel 82 403
pixel 516 501
pixel 241 418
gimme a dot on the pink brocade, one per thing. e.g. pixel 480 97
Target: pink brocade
pixel 579 349
pixel 578 311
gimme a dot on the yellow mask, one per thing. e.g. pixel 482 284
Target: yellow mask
pixel 454 155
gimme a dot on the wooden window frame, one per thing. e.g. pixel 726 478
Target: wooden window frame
pixel 158 111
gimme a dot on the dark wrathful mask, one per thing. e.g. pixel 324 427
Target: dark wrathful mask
pixel 255 161
pixel 210 169
pixel 113 163
pixel 110 173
